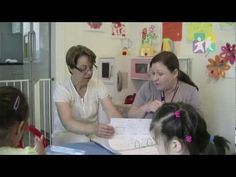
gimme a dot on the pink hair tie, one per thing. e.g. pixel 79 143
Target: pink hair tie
pixel 177 114
pixel 188 138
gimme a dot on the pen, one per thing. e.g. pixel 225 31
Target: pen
pixel 162 97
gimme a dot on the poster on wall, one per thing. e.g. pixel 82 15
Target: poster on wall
pixel 203 43
pixel 94 26
pixel 149 38
pixel 118 30
pixel 199 43
pixel 198 28
pixel 172 30
pixel 150 34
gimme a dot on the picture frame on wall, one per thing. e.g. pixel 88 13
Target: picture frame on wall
pixel 94 27
pixel 118 30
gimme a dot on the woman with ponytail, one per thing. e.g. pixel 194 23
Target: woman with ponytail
pixel 167 84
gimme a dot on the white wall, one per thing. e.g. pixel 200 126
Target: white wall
pixel 218 98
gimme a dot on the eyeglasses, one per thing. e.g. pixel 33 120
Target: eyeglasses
pixel 85 68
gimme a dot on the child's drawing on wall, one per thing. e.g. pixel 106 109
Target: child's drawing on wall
pixel 118 30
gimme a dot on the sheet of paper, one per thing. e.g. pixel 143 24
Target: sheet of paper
pixel 130 133
pixel 131 126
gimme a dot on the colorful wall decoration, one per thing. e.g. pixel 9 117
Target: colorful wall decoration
pixel 172 30
pixel 148 38
pixel 118 30
pixel 198 28
pixel 218 66
pixel 203 43
pixel 94 26
pixel 228 53
pixel 149 34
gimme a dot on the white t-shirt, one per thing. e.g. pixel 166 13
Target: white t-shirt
pixel 83 109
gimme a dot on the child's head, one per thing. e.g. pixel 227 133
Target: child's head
pixel 179 129
pixel 14 111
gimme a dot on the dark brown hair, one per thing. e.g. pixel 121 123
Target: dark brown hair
pixel 170 60
pixel 188 123
pixel 13 106
pixel 75 52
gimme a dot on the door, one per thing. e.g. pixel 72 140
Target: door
pixel 25 58
pixel 36 68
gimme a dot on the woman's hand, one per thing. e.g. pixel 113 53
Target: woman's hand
pixel 39 145
pixel 105 131
pixel 152 106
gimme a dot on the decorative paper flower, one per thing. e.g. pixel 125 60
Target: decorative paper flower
pixel 228 53
pixel 217 67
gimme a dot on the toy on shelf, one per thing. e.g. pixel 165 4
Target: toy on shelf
pixel 167 45
pixel 147 50
pixel 126 44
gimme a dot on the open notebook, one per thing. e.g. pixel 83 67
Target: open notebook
pixel 132 136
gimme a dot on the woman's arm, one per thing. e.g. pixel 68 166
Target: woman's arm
pixel 135 111
pixel 141 105
pixel 145 108
pixel 70 124
pixel 109 108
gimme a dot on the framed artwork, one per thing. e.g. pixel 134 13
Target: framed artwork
pixel 118 30
pixel 94 26
pixel 204 43
pixel 172 30
pixel 150 34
